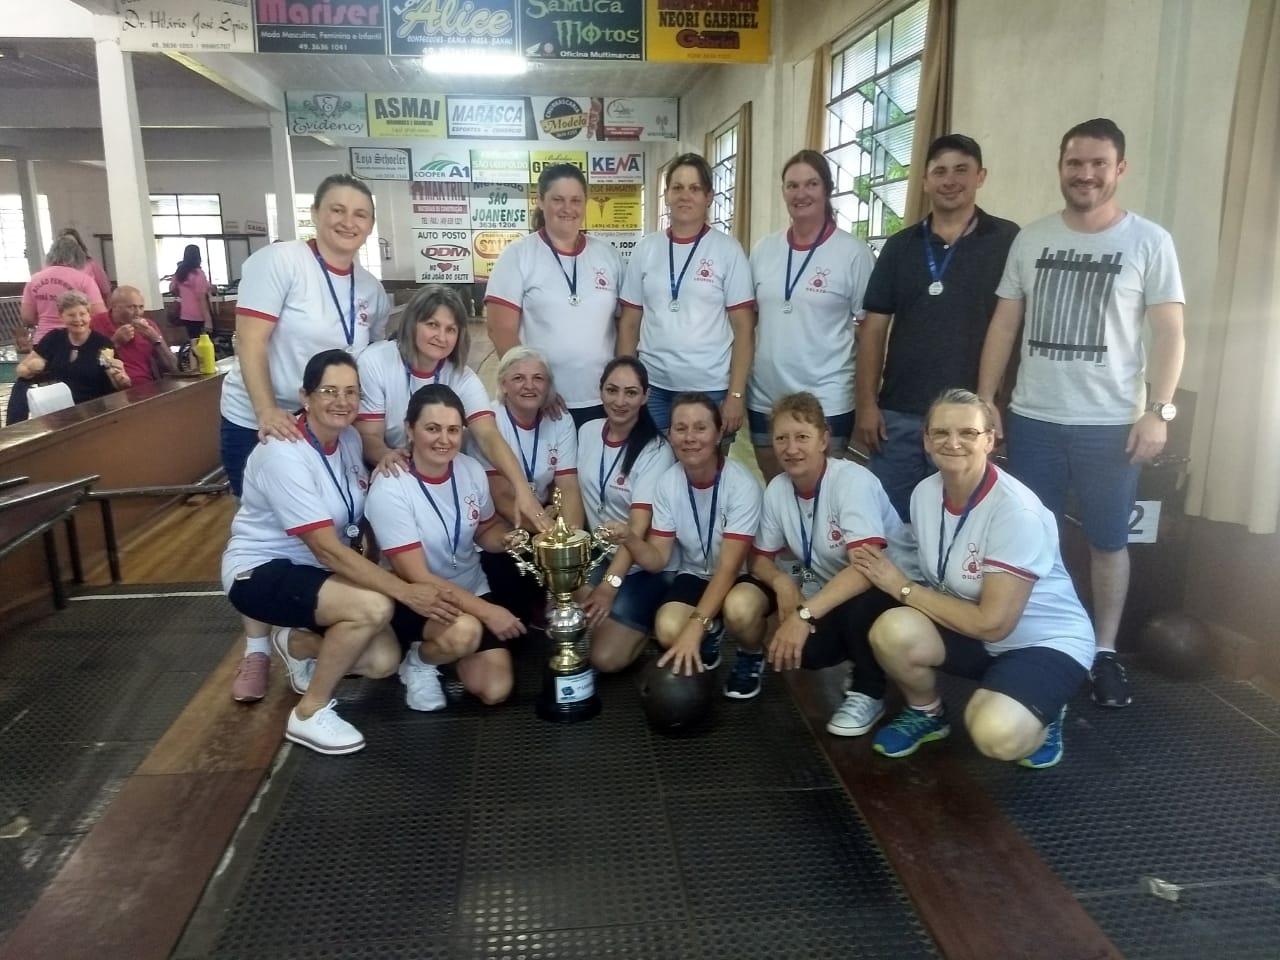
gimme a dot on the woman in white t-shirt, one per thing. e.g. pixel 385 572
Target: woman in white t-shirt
pixel 706 511
pixel 809 282
pixel 688 310
pixel 620 459
pixel 987 598
pixel 430 518
pixel 431 347
pixel 292 558
pixel 818 510
pixel 547 448
pixel 557 290
pixel 294 300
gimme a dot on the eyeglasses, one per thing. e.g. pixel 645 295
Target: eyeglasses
pixel 967 435
pixel 333 393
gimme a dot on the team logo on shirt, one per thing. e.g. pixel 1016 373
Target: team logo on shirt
pixel 362 312
pixel 621 481
pixel 602 280
pixel 971 569
pixel 553 456
pixel 819 283
pixel 361 481
pixel 706 270
pixel 834 533
pixel 473 507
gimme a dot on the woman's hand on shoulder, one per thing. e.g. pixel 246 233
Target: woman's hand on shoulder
pixel 392 463
pixel 279 424
pixel 555 407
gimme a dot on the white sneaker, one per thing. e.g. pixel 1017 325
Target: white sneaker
pixel 324 731
pixel 422 690
pixel 856 715
pixel 300 670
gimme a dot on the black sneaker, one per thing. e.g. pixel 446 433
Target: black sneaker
pixel 1110 685
pixel 744 678
pixel 710 649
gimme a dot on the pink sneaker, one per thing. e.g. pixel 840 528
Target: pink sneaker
pixel 250 684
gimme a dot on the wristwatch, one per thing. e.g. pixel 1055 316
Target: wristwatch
pixel 805 614
pixel 705 621
pixel 736 394
pixel 613 580
pixel 905 591
pixel 1165 411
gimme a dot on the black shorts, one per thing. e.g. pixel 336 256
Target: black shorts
pixel 842 634
pixel 687 588
pixel 281 593
pixel 520 594
pixel 408 624
pixel 1040 679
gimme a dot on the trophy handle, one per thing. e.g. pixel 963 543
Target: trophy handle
pixel 518 549
pixel 603 545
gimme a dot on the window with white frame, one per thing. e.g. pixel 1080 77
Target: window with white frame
pixel 370 255
pixel 724 174
pixel 13 236
pixel 179 220
pixel 875 82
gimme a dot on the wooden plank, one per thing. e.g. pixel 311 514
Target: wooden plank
pixel 130 887
pixel 979 887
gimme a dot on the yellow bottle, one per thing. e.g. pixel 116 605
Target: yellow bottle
pixel 203 351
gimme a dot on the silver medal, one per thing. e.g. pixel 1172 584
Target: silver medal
pixel 808 576
pixel 574 300
pixel 786 306
pixel 352 531
pixel 675 305
pixel 935 288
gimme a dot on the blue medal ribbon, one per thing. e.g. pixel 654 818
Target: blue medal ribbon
pixel 806 541
pixel 348 329
pixel 926 230
pixel 789 285
pixel 944 559
pixel 344 488
pixel 457 512
pixel 671 264
pixel 530 465
pixel 711 519
pixel 571 281
pixel 604 477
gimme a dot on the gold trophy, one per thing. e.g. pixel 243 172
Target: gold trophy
pixel 560 560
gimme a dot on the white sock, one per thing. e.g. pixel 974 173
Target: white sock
pixel 257 645
pixel 934 709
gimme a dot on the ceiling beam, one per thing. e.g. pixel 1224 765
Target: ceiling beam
pixel 234 74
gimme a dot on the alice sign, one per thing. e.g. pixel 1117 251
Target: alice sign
pixel 382 163
pixel 420 25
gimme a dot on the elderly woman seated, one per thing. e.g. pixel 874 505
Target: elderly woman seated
pixel 989 600
pixel 75 355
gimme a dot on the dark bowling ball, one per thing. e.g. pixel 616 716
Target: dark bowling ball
pixel 674 703
pixel 1177 645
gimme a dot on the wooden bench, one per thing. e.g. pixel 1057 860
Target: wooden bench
pixel 32 510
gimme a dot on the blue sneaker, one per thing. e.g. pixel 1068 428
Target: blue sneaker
pixel 710 649
pixel 744 678
pixel 903 736
pixel 1050 752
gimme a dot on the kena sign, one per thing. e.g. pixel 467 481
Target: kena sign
pixel 320 26
pixel 388 163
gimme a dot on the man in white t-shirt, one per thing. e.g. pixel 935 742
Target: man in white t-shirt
pixel 1081 418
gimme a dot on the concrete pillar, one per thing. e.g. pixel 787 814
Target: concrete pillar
pixel 129 198
pixel 29 194
pixel 282 176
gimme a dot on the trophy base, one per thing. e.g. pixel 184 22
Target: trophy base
pixel 568 697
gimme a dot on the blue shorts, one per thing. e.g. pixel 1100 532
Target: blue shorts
pixel 237 443
pixel 687 588
pixel 637 600
pixel 1040 679
pixel 901 461
pixel 659 405
pixel 1090 462
pixel 280 592
pixel 840 426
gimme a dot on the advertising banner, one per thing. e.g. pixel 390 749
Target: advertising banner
pixel 295 26
pixel 442 256
pixel 382 163
pixel 326 113
pixel 616 168
pixel 499 166
pixel 440 204
pixel 487 246
pixel 564 118
pixel 707 31
pixel 406 115
pixel 592 30
pixel 489 118
pixel 624 241
pixel 224 25
pixel 417 26
pixel 540 159
pixel 612 207
pixel 639 118
pixel 443 164
pixel 500 206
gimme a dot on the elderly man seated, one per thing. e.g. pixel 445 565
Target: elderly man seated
pixel 138 342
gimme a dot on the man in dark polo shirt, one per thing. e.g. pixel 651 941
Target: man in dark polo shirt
pixel 937 281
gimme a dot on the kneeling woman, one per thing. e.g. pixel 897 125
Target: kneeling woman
pixel 820 509
pixel 291 559
pixel 429 519
pixel 710 508
pixel 992 601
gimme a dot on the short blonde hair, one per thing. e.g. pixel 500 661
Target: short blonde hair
pixel 804 406
pixel 518 354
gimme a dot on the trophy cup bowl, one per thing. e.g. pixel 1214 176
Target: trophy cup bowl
pixel 560 560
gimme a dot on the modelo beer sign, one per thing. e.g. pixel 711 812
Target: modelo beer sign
pixel 320 26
